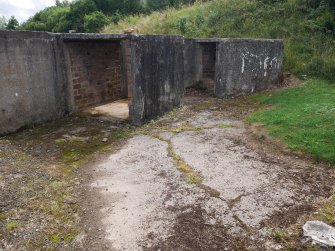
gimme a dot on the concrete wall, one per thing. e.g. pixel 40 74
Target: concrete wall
pixel 95 72
pixel 44 76
pixel 32 84
pixel 244 65
pixel 157 76
pixel 192 62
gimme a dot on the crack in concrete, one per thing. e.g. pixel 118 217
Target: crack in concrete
pixel 231 203
pixel 188 171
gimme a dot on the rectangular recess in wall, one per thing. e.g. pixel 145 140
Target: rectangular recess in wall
pixel 95 72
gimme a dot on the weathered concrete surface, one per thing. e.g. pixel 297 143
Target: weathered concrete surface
pixel 247 65
pixel 31 80
pixel 319 233
pixel 149 204
pixel 116 111
pixel 192 62
pixel 42 80
pixel 157 76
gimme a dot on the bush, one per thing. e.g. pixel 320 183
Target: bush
pixel 94 22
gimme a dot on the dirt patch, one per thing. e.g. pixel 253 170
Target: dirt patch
pixel 192 232
pixel 288 216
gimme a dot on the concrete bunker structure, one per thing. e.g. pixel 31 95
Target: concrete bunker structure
pixel 230 67
pixel 44 76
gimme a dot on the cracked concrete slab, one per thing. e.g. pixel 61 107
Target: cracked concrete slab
pixel 250 184
pixel 149 204
pixel 144 192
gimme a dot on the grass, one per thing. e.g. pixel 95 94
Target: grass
pixel 308 29
pixel 327 212
pixel 193 179
pixel 304 117
pixel 12 225
pixel 278 234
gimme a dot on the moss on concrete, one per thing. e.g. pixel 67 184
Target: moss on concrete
pixel 42 176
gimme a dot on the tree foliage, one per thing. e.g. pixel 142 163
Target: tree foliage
pixel 78 10
pixel 84 15
pixel 94 21
pixel 12 23
pixel 3 22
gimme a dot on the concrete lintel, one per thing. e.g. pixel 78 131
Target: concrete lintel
pixel 68 37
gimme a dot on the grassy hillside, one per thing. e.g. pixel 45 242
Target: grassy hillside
pixel 307 26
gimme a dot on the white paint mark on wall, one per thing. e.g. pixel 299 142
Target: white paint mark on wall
pixel 243 63
pixel 275 61
pixel 266 63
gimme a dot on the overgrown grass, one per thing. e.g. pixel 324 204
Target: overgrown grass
pixel 308 30
pixel 304 117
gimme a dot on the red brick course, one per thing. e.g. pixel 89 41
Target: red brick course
pixel 208 61
pixel 95 73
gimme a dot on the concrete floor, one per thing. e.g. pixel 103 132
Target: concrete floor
pixel 117 110
pixel 148 203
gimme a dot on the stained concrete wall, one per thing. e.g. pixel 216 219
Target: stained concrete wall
pixel 32 84
pixel 36 75
pixel 192 62
pixel 157 76
pixel 247 65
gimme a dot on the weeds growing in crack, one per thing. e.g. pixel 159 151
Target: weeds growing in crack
pixel 191 176
pixel 231 203
pixel 212 192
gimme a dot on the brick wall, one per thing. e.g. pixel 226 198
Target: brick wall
pixel 208 60
pixel 95 72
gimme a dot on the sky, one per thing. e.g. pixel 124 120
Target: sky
pixel 23 9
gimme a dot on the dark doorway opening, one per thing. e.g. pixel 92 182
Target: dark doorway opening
pixel 207 81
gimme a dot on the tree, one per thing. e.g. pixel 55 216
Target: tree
pixel 94 22
pixel 62 3
pixel 110 7
pixel 157 4
pixel 78 10
pixel 3 22
pixel 12 23
pixel 52 18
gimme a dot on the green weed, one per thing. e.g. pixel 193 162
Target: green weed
pixel 12 225
pixel 194 179
pixel 277 233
